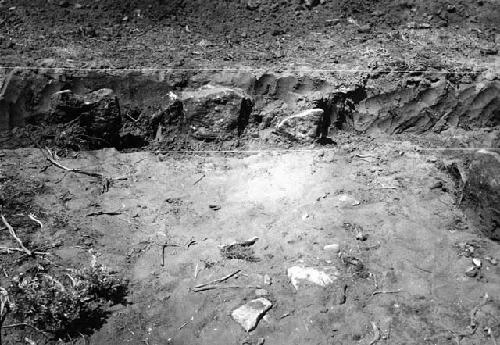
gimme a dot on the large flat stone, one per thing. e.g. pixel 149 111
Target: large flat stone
pixel 304 126
pixel 213 112
pixel 248 315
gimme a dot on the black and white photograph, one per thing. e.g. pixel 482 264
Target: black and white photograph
pixel 249 172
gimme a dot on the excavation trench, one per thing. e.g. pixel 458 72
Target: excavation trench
pixel 369 196
pixel 220 110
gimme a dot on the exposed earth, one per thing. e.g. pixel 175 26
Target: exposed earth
pixel 250 172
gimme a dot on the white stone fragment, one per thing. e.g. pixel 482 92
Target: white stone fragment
pixel 248 315
pixel 298 274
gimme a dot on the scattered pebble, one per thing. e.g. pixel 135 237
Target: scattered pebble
pixel 361 237
pixel 365 29
pixel 267 279
pixel 472 272
pixel 437 185
pixel 491 260
pixel 332 247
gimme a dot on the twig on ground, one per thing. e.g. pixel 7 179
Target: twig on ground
pixel 196 271
pixel 23 324
pixel 387 187
pixel 422 269
pixel 163 251
pixel 473 322
pixel 198 180
pixel 8 250
pixel 13 234
pixel 375 246
pixel 218 286
pixel 50 157
pixel 21 248
pixel 492 336
pixel 4 308
pixel 360 155
pixel 73 281
pixel 183 325
pixel 190 243
pixel 376 335
pixel 288 313
pixel 33 218
pixel 131 118
pixel 379 292
pixel 56 282
pixel 101 213
pixel 212 282
pixel 105 181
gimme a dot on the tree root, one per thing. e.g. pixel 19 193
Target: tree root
pixel 376 334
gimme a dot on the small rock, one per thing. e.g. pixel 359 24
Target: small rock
pixel 78 6
pixel 253 4
pixel 49 62
pixel 332 247
pixel 311 3
pixel 476 262
pixel 451 8
pixel 304 126
pixel 332 22
pixel 361 237
pixel 472 272
pixel 248 315
pixel 365 29
pixel 64 3
pixel 348 200
pixel 488 51
pixel 214 207
pixel 267 279
pixel 261 292
pixel 298 274
pixel 491 260
pixel 437 185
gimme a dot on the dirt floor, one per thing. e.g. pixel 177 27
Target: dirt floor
pixel 161 165
pixel 411 283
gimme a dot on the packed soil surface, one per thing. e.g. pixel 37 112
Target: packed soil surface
pixel 411 282
pixel 163 163
pixel 265 34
